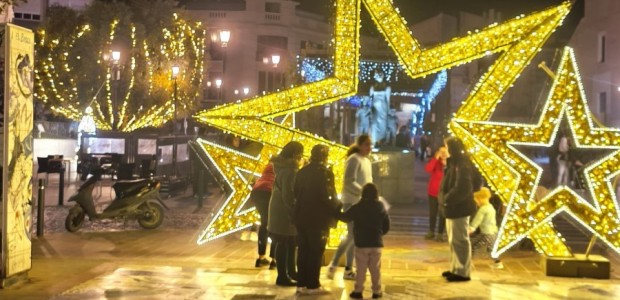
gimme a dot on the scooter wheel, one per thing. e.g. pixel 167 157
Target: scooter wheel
pixel 153 215
pixel 75 219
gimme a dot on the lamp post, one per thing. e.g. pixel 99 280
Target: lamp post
pixel 175 74
pixel 116 77
pixel 275 59
pixel 224 39
pixel 218 85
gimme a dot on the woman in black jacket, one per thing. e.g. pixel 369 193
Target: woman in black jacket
pixel 315 210
pixel 456 196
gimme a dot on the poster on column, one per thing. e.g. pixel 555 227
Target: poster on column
pixel 17 54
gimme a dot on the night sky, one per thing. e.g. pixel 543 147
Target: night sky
pixel 418 10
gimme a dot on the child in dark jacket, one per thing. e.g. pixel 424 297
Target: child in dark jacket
pixel 370 223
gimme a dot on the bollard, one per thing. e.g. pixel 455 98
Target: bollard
pixel 41 208
pixel 61 188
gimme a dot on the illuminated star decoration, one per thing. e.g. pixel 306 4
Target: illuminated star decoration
pixel 237 169
pixel 519 39
pixel 515 177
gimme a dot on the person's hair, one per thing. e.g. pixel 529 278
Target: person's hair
pixel 370 192
pixel 362 139
pixel 483 195
pixel 456 149
pixel 319 153
pixel 354 149
pixel 292 149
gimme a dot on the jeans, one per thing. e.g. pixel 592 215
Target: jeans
pixel 433 210
pixel 346 245
pixel 261 201
pixel 368 258
pixel 563 169
pixel 285 257
pixel 460 246
pixel 311 246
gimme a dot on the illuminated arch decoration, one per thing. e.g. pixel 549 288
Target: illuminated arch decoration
pixel 313 69
pixel 519 40
pixel 515 177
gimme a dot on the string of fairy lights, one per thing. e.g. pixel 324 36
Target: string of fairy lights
pixel 518 40
pixel 58 73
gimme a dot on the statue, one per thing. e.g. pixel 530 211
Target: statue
pixel 363 116
pixel 392 126
pixel 380 95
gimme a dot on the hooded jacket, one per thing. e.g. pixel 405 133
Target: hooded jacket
pixel 456 194
pixel 316 200
pixel 370 223
pixel 282 203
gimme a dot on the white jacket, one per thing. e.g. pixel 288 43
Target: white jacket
pixel 358 172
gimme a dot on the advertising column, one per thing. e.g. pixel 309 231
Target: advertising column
pixel 17 59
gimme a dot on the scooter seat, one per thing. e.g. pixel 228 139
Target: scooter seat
pixel 126 187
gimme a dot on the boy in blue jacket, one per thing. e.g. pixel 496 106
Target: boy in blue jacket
pixel 371 222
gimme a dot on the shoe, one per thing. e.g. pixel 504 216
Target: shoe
pixel 331 271
pixel 446 274
pixel 356 295
pixel 429 236
pixel 457 278
pixel 272 264
pixel 498 265
pixel 286 282
pixel 377 295
pixel 348 275
pixel 261 262
pixel 300 291
pixel 318 291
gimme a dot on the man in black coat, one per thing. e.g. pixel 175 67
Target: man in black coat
pixel 315 210
pixel 456 197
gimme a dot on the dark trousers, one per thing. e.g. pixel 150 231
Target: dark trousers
pixel 434 215
pixel 261 201
pixel 285 256
pixel 311 243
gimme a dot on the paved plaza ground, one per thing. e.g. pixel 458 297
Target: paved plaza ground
pixel 118 260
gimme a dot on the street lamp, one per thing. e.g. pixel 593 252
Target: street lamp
pixel 224 39
pixel 175 74
pixel 246 90
pixel 218 85
pixel 275 59
pixel 116 77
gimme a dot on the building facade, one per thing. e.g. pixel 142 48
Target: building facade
pixel 265 38
pixel 597 49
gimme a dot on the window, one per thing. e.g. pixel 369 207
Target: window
pixel 269 45
pixel 18 16
pixel 272 7
pixel 602 103
pixel 270 81
pixel 602 44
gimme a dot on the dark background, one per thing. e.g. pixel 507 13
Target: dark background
pixel 417 10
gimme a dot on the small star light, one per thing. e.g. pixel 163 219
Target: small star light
pixel 519 40
pixel 515 177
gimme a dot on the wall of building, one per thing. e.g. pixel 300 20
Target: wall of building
pixel 601 77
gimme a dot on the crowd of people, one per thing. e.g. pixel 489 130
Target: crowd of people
pixel 298 204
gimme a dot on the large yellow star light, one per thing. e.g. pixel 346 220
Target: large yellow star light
pixel 515 177
pixel 519 39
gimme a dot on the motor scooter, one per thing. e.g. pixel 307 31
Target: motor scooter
pixel 135 199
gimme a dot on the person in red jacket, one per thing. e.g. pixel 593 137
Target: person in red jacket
pixel 435 168
pixel 261 193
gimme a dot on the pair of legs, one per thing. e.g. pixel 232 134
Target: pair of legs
pixel 368 259
pixel 311 243
pixel 285 258
pixel 484 242
pixel 346 245
pixel 460 246
pixel 563 172
pixel 433 217
pixel 261 201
